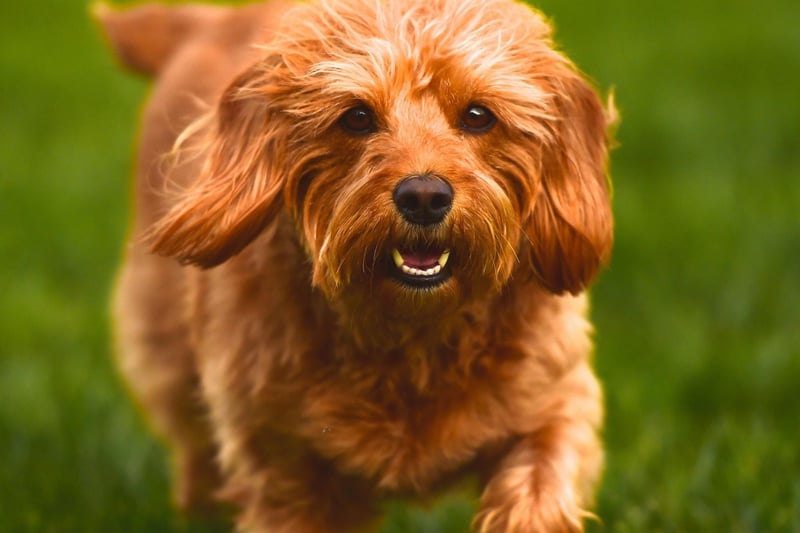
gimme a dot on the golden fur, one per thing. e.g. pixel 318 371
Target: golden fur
pixel 269 339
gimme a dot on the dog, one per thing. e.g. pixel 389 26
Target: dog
pixel 357 267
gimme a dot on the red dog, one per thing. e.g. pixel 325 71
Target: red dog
pixel 402 202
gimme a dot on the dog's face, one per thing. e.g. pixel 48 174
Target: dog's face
pixel 428 150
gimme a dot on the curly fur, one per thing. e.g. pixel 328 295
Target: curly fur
pixel 266 338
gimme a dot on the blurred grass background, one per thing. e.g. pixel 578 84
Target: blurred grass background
pixel 698 316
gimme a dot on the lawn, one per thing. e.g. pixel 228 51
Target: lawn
pixel 698 318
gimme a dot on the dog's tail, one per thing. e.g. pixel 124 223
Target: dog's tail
pixel 145 37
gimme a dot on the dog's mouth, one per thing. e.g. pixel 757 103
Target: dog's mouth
pixel 421 268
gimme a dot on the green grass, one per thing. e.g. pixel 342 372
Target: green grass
pixel 698 316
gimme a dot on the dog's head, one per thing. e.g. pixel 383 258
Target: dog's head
pixel 423 147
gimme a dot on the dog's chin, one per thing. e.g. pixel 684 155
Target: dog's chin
pixel 421 284
pixel 412 280
pixel 404 285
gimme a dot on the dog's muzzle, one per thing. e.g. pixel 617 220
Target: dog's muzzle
pixel 422 201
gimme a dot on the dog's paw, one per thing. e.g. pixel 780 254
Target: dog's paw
pixel 523 499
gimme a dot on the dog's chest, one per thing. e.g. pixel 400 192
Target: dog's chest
pixel 399 439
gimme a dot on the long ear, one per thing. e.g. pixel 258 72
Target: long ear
pixel 146 37
pixel 571 227
pixel 238 191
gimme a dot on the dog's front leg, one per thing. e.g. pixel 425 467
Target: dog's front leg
pixel 301 494
pixel 546 481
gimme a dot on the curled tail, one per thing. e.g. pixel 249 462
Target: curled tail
pixel 145 37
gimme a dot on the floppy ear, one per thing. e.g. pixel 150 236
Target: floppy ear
pixel 145 37
pixel 238 191
pixel 571 229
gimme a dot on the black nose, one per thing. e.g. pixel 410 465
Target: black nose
pixel 423 199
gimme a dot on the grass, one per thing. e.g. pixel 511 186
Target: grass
pixel 698 321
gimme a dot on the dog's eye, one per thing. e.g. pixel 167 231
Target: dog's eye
pixel 358 121
pixel 477 119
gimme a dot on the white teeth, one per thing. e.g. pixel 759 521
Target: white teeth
pixel 398 260
pixel 416 272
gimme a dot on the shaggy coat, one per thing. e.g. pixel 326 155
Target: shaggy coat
pixel 356 268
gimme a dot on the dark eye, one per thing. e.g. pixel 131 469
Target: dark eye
pixel 358 121
pixel 477 119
